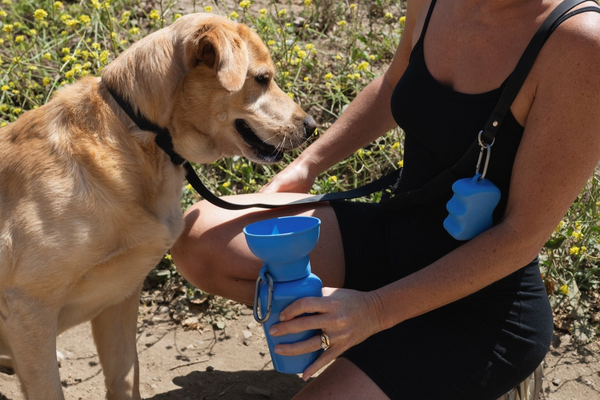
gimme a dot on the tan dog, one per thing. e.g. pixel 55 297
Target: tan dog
pixel 89 204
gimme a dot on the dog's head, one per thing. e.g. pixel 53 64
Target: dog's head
pixel 210 81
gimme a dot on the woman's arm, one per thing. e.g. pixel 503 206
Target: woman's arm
pixel 368 117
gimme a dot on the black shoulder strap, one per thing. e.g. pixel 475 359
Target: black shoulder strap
pixel 515 82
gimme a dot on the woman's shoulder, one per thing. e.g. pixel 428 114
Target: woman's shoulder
pixel 571 56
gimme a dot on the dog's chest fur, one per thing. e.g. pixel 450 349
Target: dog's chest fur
pixel 86 209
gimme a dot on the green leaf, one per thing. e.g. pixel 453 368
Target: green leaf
pixel 554 243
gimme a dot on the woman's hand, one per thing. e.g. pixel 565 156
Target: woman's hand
pixel 347 316
pixel 295 178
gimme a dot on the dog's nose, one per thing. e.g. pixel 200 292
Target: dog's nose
pixel 309 126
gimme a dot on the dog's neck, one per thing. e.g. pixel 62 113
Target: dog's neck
pixel 162 135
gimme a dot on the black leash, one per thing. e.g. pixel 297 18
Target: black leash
pixel 432 188
pixel 164 141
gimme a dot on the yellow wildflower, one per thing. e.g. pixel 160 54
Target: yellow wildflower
pixel 84 19
pixel 208 9
pixel 227 184
pixel 245 4
pixel 8 28
pixel 282 12
pixel 177 16
pixel 134 30
pixel 40 14
pixel 271 42
pixel 400 163
pixel 342 23
pixel 234 15
pixel 19 39
pixel 301 54
pixel 46 81
pixel 2 125
pixel 332 179
pixel 363 66
pixel 574 250
pixel 564 289
pixel 154 14
pixel 4 88
pixel 396 146
pixel 290 95
pixel 262 11
pixel 307 3
pixel 328 76
pixel 96 46
pixel 104 57
pixel 309 46
pixel 402 20
pixel 57 5
pixel 16 111
pixel 577 235
pixel 3 14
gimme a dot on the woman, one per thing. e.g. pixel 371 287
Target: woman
pixel 410 312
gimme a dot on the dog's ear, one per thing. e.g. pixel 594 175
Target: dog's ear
pixel 223 49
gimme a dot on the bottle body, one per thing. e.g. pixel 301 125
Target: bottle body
pixel 284 294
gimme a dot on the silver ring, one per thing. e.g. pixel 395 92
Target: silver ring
pixel 325 341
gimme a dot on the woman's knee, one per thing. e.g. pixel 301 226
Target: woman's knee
pixel 196 248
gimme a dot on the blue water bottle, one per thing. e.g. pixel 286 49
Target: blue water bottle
pixel 470 209
pixel 283 244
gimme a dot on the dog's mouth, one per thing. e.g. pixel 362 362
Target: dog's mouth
pixel 264 151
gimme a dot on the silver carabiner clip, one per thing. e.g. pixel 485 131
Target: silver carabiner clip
pixel 269 299
pixel 484 147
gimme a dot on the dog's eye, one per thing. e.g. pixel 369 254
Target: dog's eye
pixel 262 79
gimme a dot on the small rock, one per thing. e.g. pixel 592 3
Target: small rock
pixel 210 368
pixel 246 334
pixel 252 325
pixel 556 381
pixel 247 343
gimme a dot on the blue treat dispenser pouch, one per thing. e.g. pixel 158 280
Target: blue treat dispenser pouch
pixel 470 208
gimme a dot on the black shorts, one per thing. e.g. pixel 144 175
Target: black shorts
pixel 476 348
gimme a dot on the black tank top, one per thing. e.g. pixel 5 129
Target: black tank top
pixel 440 124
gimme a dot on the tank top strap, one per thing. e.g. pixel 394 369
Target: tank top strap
pixel 425 25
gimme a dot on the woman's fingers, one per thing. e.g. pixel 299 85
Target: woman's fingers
pixel 309 305
pixel 309 346
pixel 303 347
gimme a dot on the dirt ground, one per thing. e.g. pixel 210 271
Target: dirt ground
pixel 234 364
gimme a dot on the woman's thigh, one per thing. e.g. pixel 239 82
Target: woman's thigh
pixel 212 253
